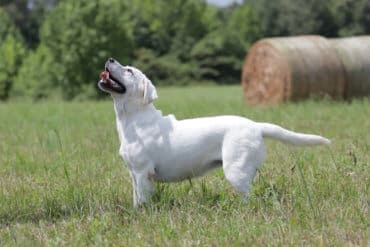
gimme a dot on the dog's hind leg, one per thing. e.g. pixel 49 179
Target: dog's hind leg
pixel 242 153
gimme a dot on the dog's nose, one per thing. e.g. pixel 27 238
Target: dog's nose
pixel 111 60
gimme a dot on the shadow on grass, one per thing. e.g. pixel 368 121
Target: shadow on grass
pixel 55 207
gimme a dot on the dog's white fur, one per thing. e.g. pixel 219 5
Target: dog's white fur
pixel 161 148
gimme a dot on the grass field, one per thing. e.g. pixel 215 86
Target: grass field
pixel 63 183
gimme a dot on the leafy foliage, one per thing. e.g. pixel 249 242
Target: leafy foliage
pixel 81 35
pixel 37 77
pixel 286 17
pixel 11 53
pixel 164 38
pixel 28 16
pixel 352 17
pixel 166 69
pixel 245 22
pixel 65 43
pixel 175 28
pixel 219 56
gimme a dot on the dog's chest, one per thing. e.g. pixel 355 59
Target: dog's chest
pixel 138 148
pixel 133 154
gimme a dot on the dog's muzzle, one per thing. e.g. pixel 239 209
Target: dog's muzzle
pixel 109 83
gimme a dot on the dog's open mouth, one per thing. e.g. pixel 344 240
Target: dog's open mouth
pixel 110 83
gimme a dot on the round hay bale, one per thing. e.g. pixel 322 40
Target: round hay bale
pixel 354 53
pixel 294 68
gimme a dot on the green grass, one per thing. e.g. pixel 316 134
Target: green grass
pixel 63 183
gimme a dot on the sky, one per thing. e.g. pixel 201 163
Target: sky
pixel 223 3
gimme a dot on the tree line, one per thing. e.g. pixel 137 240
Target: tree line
pixel 57 47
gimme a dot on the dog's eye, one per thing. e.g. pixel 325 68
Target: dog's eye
pixel 130 71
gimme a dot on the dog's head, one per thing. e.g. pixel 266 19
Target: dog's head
pixel 127 83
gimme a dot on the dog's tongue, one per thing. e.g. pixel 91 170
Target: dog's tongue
pixel 104 75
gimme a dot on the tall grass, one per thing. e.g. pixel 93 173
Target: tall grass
pixel 63 183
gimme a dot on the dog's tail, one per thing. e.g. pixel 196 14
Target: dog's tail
pixel 291 137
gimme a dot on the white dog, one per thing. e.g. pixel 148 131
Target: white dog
pixel 161 148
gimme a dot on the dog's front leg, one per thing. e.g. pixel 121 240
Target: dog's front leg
pixel 134 190
pixel 143 188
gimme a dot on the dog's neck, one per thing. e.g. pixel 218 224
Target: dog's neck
pixel 129 112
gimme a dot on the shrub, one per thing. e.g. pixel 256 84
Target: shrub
pixel 81 35
pixel 11 53
pixel 37 77
pixel 219 56
pixel 165 70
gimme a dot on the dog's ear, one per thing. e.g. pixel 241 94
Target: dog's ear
pixel 150 93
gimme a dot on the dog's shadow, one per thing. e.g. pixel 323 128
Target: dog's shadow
pixel 53 209
pixel 197 194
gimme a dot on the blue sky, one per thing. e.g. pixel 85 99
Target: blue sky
pixel 223 3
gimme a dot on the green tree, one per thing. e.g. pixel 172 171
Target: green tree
pixel 11 53
pixel 166 33
pixel 171 28
pixel 37 77
pixel 286 17
pixel 352 16
pixel 166 69
pixel 219 56
pixel 245 23
pixel 81 35
pixel 28 16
